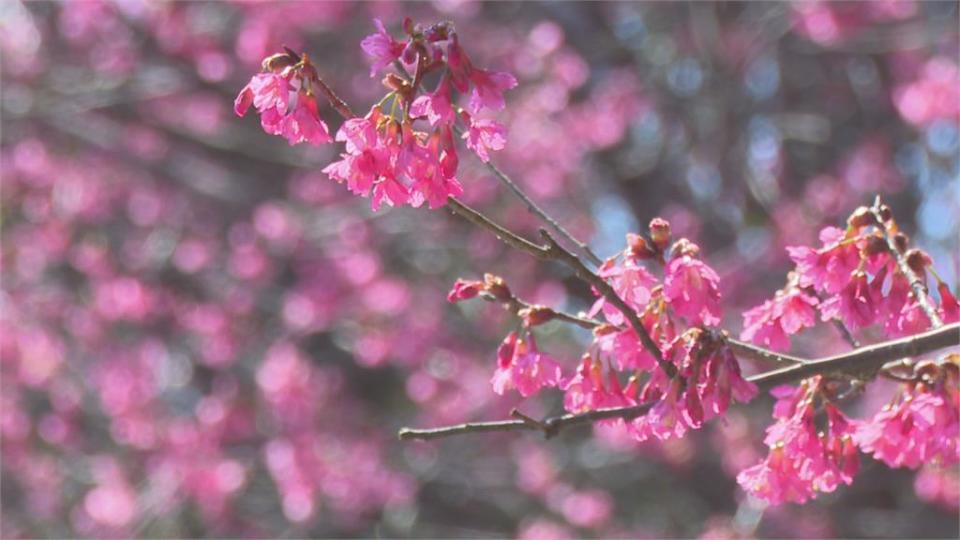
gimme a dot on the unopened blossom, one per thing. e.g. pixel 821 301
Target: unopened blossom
pixel 920 426
pixel 802 461
pixel 522 367
pixel 381 47
pixel 693 290
pixel 464 290
pixel 772 323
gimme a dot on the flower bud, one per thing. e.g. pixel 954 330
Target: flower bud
pixel 861 217
pixel 918 261
pixel 885 213
pixel 396 83
pixel 660 233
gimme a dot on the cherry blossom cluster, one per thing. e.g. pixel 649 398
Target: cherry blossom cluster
pixel 803 460
pixel 403 150
pixel 285 97
pixel 922 423
pixel 706 374
pixel 853 278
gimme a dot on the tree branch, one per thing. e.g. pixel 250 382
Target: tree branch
pixel 506 236
pixel 919 289
pixel 860 360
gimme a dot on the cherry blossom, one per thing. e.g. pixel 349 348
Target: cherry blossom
pixel 522 367
pixel 772 323
pixel 693 290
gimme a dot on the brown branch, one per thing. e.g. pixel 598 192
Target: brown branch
pixel 916 285
pixel 863 359
pixel 759 353
pixel 338 104
pixel 550 426
pixel 506 236
pixel 533 208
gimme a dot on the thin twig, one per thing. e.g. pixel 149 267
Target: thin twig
pixel 532 207
pixel 759 353
pixel 506 236
pixel 535 209
pixel 338 104
pixel 863 359
pixel 550 426
pixel 919 289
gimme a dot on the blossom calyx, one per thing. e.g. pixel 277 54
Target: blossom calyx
pixel 497 287
pixel 638 247
pixel 536 315
pixel 278 62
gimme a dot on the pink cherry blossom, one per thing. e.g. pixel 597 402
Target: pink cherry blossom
pixel 522 367
pixel 854 305
pixel 920 426
pixel 485 135
pixel 488 88
pixel 270 93
pixel 265 91
pixel 303 124
pixel 693 290
pixel 829 268
pixel 381 47
pixel 435 106
pixel 802 461
pixel 772 323
pixel 586 389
